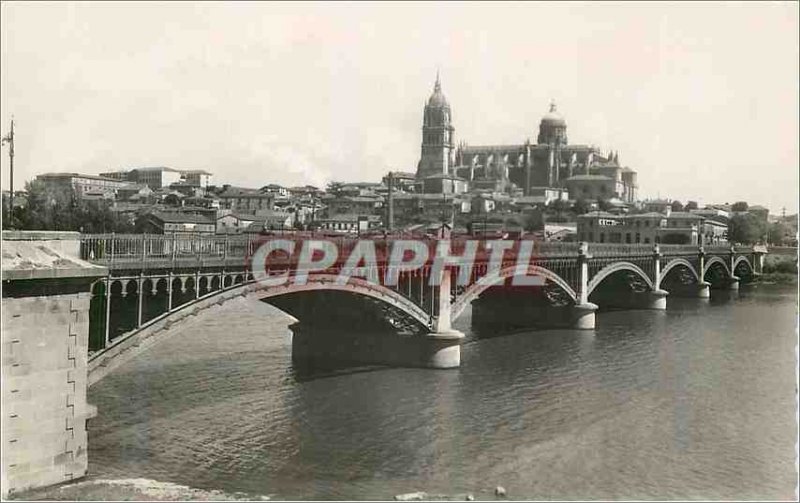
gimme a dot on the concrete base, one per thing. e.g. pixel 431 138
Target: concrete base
pixel 318 346
pixel 441 350
pixel 658 299
pixel 704 290
pixel 734 283
pixel 583 316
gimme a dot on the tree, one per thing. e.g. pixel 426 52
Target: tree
pixel 746 229
pixel 690 205
pixel 739 206
pixel 677 205
pixel 559 206
pixel 581 206
pixel 63 210
pixel 533 221
pixel 778 232
pixel 334 188
pixel 603 204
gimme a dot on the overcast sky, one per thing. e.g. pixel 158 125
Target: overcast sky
pixel 700 99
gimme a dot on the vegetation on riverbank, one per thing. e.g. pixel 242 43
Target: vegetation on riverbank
pixel 779 269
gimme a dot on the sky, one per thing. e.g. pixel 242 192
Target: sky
pixel 700 98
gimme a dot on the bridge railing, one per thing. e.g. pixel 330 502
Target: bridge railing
pixel 146 249
pixel 619 250
pixel 149 248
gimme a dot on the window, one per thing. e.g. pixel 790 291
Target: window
pixel 647 223
pixel 628 237
pixel 591 236
pixel 646 240
pixel 602 237
pixel 638 238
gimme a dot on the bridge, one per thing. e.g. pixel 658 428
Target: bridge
pixel 155 279
pixel 76 306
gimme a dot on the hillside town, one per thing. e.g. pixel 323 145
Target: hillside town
pixel 551 189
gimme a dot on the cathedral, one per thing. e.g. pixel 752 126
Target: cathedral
pixel 552 161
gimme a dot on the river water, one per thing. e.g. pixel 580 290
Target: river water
pixel 694 402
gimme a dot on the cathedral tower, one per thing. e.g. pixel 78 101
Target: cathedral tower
pixel 437 135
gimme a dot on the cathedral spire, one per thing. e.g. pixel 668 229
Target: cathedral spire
pixel 438 85
pixel 552 105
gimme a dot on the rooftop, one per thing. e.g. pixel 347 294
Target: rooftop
pixel 181 217
pixel 577 178
pixel 79 175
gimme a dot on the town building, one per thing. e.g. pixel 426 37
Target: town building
pixel 278 190
pixel 245 200
pixel 197 177
pixel 162 176
pixel 163 222
pixel 234 223
pixel 85 186
pixel 667 228
pixel 358 205
pixel 444 183
pixel 348 223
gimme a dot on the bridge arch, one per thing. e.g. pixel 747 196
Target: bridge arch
pixel 679 262
pixel 716 260
pixel 357 286
pixel 104 360
pixel 742 259
pixel 614 268
pixel 474 291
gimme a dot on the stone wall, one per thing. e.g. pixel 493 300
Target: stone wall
pixel 45 309
pixel 44 390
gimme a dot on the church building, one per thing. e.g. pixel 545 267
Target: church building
pixel 551 162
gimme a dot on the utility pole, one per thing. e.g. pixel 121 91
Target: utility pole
pixel 390 216
pixel 9 138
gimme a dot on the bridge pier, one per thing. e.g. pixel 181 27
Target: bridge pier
pixel 733 284
pixel 658 299
pixel 583 317
pixel 46 299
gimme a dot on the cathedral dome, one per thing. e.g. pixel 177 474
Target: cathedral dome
pixel 437 99
pixel 553 118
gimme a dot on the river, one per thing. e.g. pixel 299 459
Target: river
pixel 696 402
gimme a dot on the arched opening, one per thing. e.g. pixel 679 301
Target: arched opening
pixel 679 278
pixel 621 286
pixel 743 270
pixel 97 316
pixel 203 286
pixel 123 310
pixel 495 305
pixel 215 282
pixel 336 328
pixel 717 274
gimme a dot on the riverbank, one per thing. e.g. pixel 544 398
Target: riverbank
pixel 781 278
pixel 129 490
pixel 780 269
